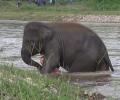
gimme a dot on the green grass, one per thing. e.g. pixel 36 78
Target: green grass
pixel 8 9
pixel 18 84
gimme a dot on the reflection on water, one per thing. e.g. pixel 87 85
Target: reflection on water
pixel 11 40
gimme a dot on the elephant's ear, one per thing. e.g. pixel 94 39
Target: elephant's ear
pixel 46 33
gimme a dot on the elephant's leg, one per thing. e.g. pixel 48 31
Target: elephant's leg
pixel 51 63
pixel 82 65
pixel 102 66
pixel 42 60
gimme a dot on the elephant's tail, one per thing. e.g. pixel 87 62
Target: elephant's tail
pixel 108 62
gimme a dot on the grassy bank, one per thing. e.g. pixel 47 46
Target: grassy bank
pixel 8 9
pixel 17 84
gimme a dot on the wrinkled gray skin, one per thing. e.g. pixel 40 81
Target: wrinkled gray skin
pixel 72 46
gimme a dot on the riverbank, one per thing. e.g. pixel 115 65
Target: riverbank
pixel 71 18
pixel 18 84
pixel 90 18
pixel 76 12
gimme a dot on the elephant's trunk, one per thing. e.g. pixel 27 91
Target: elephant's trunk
pixel 26 57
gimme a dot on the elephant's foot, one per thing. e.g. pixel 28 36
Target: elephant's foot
pixel 56 71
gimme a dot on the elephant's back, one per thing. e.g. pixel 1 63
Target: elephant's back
pixel 70 28
pixel 74 33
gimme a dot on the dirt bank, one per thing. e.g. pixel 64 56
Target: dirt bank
pixel 90 18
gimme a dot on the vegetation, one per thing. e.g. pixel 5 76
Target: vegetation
pixel 18 84
pixel 8 9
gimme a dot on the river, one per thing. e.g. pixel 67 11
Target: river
pixel 11 33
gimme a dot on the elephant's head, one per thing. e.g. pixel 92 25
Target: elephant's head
pixel 34 40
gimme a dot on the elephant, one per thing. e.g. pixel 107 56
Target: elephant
pixel 72 46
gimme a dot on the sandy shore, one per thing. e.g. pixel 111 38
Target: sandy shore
pixel 90 18
pixel 77 18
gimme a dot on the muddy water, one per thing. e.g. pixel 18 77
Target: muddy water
pixel 11 39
